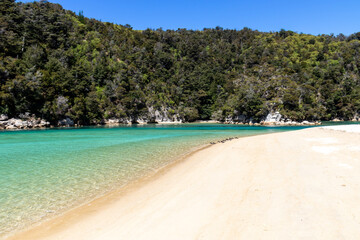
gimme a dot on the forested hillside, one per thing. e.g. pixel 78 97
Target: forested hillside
pixel 55 64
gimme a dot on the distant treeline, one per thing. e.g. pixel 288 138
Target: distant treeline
pixel 55 63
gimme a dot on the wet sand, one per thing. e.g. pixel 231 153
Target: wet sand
pixel 294 185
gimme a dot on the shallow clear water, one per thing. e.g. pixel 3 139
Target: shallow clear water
pixel 44 172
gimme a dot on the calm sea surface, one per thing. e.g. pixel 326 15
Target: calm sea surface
pixel 45 172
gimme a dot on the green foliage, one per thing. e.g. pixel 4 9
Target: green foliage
pixel 56 64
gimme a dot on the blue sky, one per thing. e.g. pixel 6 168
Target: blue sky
pixel 307 16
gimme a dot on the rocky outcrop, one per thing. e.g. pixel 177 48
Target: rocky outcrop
pixel 3 117
pixel 273 117
pixel 356 117
pixel 336 120
pixel 163 115
pixel 277 120
pixel 160 115
pixel 289 122
pixel 235 119
pixel 25 121
pixel 66 122
pixel 117 121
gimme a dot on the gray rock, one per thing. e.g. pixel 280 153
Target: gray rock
pixel 273 117
pixel 3 117
pixel 112 121
pixel 240 118
pixel 162 115
pixel 66 122
pixel 356 117
pixel 11 127
pixel 19 123
pixel 43 123
pixel 30 122
pixel 24 115
pixel 142 121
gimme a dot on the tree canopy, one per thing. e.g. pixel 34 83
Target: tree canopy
pixel 55 63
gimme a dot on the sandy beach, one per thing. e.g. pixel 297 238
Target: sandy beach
pixel 293 185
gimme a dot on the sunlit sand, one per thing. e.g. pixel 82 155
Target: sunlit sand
pixel 294 185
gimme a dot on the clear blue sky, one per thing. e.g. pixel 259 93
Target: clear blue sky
pixel 307 16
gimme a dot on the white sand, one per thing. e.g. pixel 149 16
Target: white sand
pixel 275 186
pixel 354 128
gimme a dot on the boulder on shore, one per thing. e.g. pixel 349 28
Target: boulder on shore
pixel 11 127
pixel 25 121
pixel 3 117
pixel 273 117
pixel 66 122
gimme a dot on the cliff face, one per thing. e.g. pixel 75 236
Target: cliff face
pixel 273 117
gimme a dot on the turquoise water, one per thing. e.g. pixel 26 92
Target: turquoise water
pixel 45 172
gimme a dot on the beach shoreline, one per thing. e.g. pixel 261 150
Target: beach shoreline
pixel 104 199
pixel 217 186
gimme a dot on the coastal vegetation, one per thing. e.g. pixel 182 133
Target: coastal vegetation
pixel 57 64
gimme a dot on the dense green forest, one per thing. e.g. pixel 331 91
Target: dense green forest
pixel 55 63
